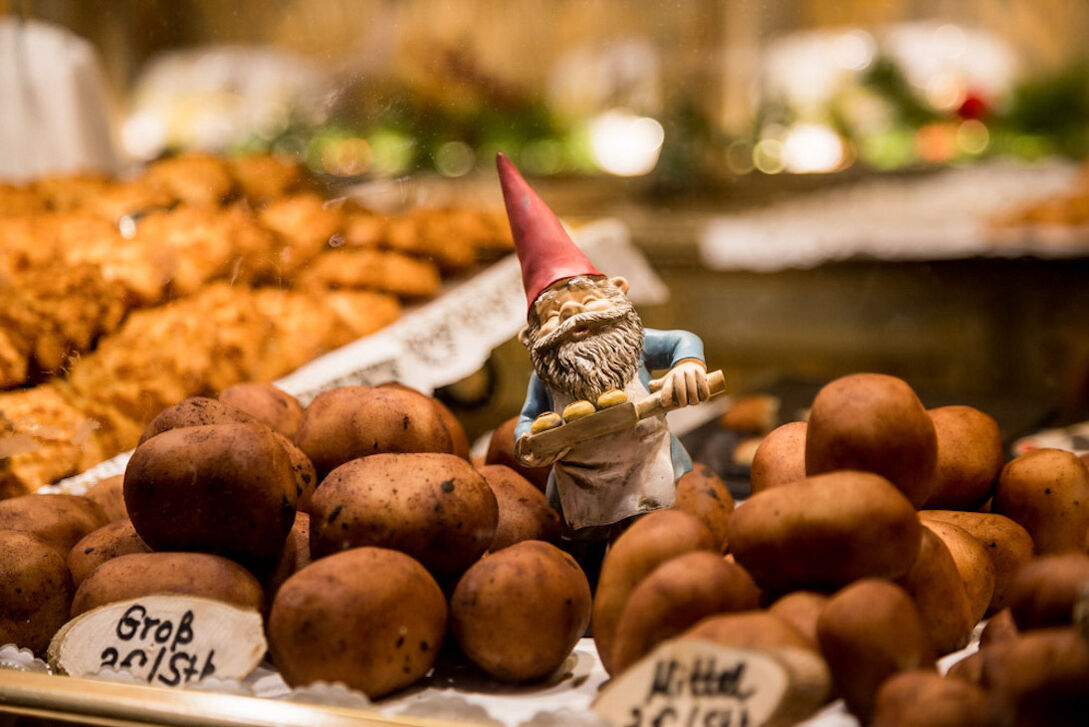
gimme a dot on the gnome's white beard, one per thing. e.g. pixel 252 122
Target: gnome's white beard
pixel 607 358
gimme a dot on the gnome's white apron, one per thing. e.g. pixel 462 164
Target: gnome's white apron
pixel 606 479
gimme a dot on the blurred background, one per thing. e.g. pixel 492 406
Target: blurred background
pixel 826 186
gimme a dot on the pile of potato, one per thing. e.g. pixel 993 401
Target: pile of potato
pixel 360 580
pixel 877 536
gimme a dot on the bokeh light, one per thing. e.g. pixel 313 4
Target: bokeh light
pixel 626 144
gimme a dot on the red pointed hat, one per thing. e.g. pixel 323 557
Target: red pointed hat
pixel 545 250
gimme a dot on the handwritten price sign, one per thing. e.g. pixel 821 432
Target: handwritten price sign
pixel 686 683
pixel 164 640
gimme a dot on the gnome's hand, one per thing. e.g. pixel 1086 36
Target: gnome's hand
pixel 532 459
pixel 686 383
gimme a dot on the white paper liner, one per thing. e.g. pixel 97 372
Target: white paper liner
pixel 19 659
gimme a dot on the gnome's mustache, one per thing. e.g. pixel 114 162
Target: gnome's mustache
pixel 586 319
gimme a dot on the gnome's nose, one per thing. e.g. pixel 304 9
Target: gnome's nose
pixel 570 308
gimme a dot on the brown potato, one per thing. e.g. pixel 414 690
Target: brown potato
pixel 970 669
pixel 524 512
pixel 326 431
pixel 371 618
pixel 973 563
pixel 295 556
pixel 459 441
pixel 306 477
pixel 35 591
pixel 702 493
pixel 922 698
pixel 519 612
pixel 227 489
pixel 749 630
pixel 648 543
pixel 874 423
pixel 1000 627
pixel 970 456
pixel 95 548
pixel 109 494
pixel 59 520
pixel 1040 677
pixel 501 451
pixel 825 531
pixel 868 632
pixel 358 421
pixel 800 609
pixel 192 574
pixel 1008 544
pixel 267 404
pixel 780 458
pixel 195 411
pixel 1047 492
pixel 676 595
pixel 435 507
pixel 1043 592
pixel 935 586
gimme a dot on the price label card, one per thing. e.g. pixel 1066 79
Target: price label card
pixel 692 682
pixel 165 640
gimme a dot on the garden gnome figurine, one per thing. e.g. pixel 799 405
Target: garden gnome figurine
pixel 584 339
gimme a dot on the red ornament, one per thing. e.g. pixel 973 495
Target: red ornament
pixel 974 106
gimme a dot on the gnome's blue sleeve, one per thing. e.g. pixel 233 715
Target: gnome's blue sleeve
pixel 538 401
pixel 664 350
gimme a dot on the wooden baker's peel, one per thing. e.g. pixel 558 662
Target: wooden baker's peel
pixel 547 444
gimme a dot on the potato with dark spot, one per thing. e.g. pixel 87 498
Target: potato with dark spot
pixel 435 507
pixel 267 404
pixel 874 423
pixel 970 456
pixel 1044 592
pixel 371 618
pixel 780 457
pixel 501 451
pixel 196 411
pixel 825 531
pixel 191 574
pixel 524 512
pixel 459 441
pixel 702 493
pixel 519 612
pixel 922 698
pixel 648 543
pixel 59 520
pixel 1008 544
pixel 1047 492
pixel 109 494
pixel 975 566
pixel 800 609
pixel 227 489
pixel 868 632
pixel 306 477
pixel 935 585
pixel 109 541
pixel 675 596
pixel 364 421
pixel 35 591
